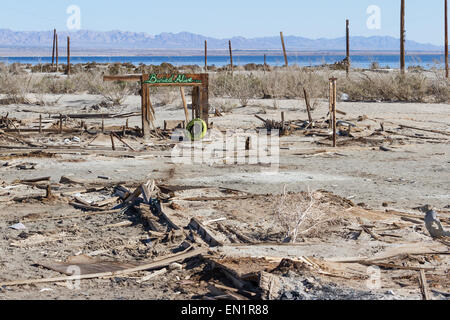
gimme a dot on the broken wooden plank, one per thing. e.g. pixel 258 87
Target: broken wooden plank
pixel 87 265
pixel 152 276
pixel 34 180
pixel 426 130
pixel 106 202
pixel 424 285
pixel 165 214
pixel 87 207
pixel 206 234
pixel 157 264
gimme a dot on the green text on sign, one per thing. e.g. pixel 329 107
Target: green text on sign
pixel 180 78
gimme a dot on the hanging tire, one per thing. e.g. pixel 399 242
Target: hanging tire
pixel 197 129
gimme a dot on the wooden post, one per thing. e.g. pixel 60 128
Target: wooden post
pixel 231 56
pixel 204 99
pixel 60 123
pixel 144 108
pixel 206 55
pixel 48 192
pixel 40 123
pixel 282 118
pixel 446 40
pixel 333 92
pixel 57 53
pixel 402 37
pixel 53 51
pixel 68 56
pixel 348 46
pixel 183 98
pixel 195 102
pixel 112 142
pixel 284 49
pixel 308 106
pixel 265 63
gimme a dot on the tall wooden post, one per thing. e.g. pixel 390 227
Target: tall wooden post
pixel 348 46
pixel 145 107
pixel 402 37
pixel 204 99
pixel 206 55
pixel 333 98
pixel 284 49
pixel 183 98
pixel 68 56
pixel 53 51
pixel 231 55
pixel 57 53
pixel 446 40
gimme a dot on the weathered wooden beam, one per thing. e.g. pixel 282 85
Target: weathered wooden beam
pixel 54 47
pixel 127 78
pixel 231 56
pixel 402 36
pixel 446 40
pixel 157 264
pixel 68 56
pixel 347 66
pixel 284 49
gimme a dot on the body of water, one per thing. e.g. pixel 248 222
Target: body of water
pixel 358 61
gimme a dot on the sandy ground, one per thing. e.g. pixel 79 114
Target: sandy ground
pixel 413 173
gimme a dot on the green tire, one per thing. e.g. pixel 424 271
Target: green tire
pixel 194 129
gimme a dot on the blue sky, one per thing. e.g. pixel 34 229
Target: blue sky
pixel 227 18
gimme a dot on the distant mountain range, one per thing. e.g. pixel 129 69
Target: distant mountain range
pixel 85 39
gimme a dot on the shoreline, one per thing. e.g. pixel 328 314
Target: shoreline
pixel 46 53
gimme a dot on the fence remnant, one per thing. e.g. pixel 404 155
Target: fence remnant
pixel 284 49
pixel 347 65
pixel 402 37
pixel 206 55
pixel 231 56
pixel 68 56
pixel 333 98
pixel 446 40
pixel 57 53
pixel 53 51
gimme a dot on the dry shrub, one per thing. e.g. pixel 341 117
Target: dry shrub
pixel 289 83
pixel 166 96
pixel 440 87
pixel 387 87
pixel 293 212
pixel 307 214
pixel 115 92
pixel 240 86
pixel 15 87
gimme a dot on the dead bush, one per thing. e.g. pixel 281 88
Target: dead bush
pixel 115 92
pixel 386 87
pixel 293 213
pixel 15 87
pixel 240 86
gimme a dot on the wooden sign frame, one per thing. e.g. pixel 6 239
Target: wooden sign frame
pixel 200 93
